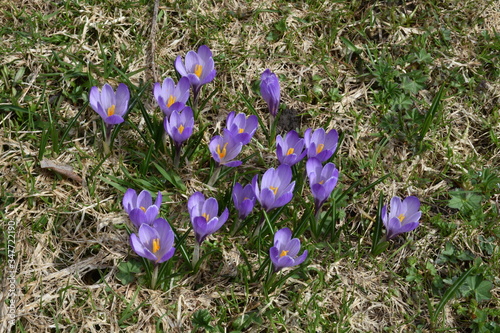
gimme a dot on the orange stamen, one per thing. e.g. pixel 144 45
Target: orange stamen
pixel 171 100
pixel 283 253
pixel 111 110
pixel 290 151
pixel 143 209
pixel 198 69
pixel 181 129
pixel 320 147
pixel 206 216
pixel 274 189
pixel 241 130
pixel 401 217
pixel 156 245
pixel 222 153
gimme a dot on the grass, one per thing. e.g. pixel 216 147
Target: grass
pixel 412 87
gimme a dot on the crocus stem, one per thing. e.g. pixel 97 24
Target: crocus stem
pixel 196 253
pixel 236 225
pixel 107 139
pixel 154 277
pixel 259 226
pixel 269 284
pixel 177 157
pixel 215 176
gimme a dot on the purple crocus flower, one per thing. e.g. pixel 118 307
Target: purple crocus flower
pixel 403 216
pixel 322 180
pixel 111 106
pixel 140 207
pixel 244 199
pixel 285 250
pixel 290 150
pixel 154 242
pixel 241 126
pixel 320 145
pixel 171 97
pixel 180 125
pixel 198 67
pixel 225 148
pixel 270 91
pixel 204 215
pixel 275 189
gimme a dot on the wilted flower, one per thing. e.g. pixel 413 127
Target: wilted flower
pixel 111 106
pixel 241 126
pixel 244 199
pixel 140 207
pixel 225 148
pixel 403 216
pixel 322 180
pixel 285 250
pixel 320 145
pixel 154 242
pixel 270 91
pixel 179 125
pixel 205 216
pixel 291 149
pixel 171 97
pixel 198 67
pixel 275 190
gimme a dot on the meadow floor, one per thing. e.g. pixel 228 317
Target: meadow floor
pixel 412 87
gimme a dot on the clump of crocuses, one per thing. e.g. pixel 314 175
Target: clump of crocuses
pixel 285 250
pixel 140 207
pixel 401 217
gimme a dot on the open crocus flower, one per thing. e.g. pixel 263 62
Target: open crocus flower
pixel 241 126
pixel 204 215
pixel 270 91
pixel 285 250
pixel 225 148
pixel 322 180
pixel 290 150
pixel 320 145
pixel 111 106
pixel 244 199
pixel 275 189
pixel 180 125
pixel 140 207
pixel 198 67
pixel 403 216
pixel 171 97
pixel 154 242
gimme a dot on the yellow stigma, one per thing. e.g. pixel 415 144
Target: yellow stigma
pixel 283 253
pixel 274 189
pixel 206 216
pixel 111 110
pixel 290 151
pixel 156 245
pixel 401 217
pixel 320 147
pixel 198 69
pixel 321 182
pixel 181 129
pixel 222 153
pixel 143 209
pixel 241 130
pixel 171 100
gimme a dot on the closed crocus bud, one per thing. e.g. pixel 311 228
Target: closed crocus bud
pixel 322 180
pixel 290 150
pixel 204 215
pixel 242 127
pixel 320 144
pixel 244 199
pixel 154 242
pixel 140 207
pixel 276 188
pixel 170 96
pixel 225 148
pixel 402 217
pixel 270 91
pixel 285 250
pixel 198 67
pixel 111 106
pixel 180 125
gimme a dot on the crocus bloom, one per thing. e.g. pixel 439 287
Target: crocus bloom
pixel 322 180
pixel 275 188
pixel 320 145
pixel 241 126
pixel 140 207
pixel 111 106
pixel 403 216
pixel 285 250
pixel 270 91
pixel 204 215
pixel 180 125
pixel 154 242
pixel 290 150
pixel 225 148
pixel 171 97
pixel 244 199
pixel 198 67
